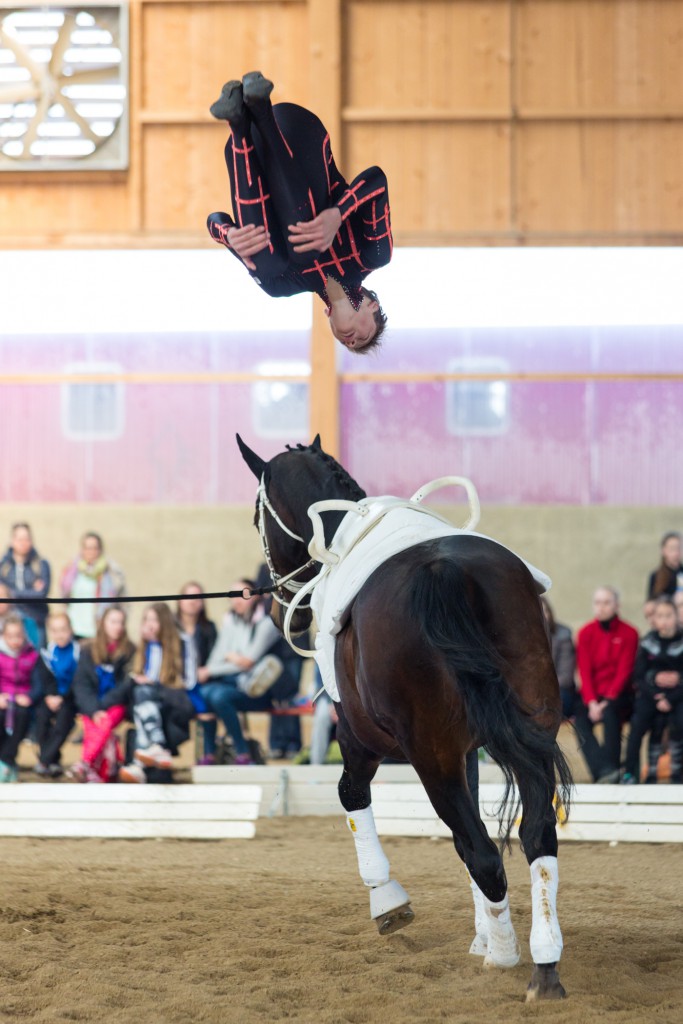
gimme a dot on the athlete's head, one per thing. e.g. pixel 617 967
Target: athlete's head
pixel 360 329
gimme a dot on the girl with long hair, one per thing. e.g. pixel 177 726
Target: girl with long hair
pixel 102 667
pixel 154 695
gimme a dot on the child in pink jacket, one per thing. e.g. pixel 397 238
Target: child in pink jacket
pixel 17 659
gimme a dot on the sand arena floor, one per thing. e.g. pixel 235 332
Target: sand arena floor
pixel 277 929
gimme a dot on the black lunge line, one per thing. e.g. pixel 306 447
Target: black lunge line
pixel 246 593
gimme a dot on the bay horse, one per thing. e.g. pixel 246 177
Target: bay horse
pixel 444 651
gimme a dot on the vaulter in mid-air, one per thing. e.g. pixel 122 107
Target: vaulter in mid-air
pixel 299 227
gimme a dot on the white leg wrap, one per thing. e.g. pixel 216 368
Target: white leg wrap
pixel 387 897
pixel 503 948
pixel 546 937
pixel 480 941
pixel 372 862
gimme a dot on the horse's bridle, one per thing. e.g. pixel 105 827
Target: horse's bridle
pixel 287 582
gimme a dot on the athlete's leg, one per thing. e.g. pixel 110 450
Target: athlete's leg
pixel 294 145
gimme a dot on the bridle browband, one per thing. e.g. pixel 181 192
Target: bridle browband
pixel 281 583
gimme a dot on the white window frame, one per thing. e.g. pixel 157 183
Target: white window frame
pixel 87 369
pixel 476 364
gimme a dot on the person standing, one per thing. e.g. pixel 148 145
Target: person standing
pixel 27 576
pixel 667 578
pixel 94 577
pixel 605 653
pixel 564 658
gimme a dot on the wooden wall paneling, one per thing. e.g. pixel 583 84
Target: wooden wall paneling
pixel 599 57
pixel 136 64
pixel 443 178
pixel 193 48
pixel 325 49
pixel 589 178
pixel 427 55
pixel 185 177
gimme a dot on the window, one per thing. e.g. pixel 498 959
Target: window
pixel 279 408
pixel 477 407
pixel 93 410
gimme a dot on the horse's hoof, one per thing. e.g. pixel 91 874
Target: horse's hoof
pixel 503 963
pixel 393 920
pixel 545 984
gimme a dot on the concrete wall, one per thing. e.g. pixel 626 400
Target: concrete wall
pixel 160 547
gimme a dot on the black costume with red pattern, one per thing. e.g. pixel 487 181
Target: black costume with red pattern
pixel 282 171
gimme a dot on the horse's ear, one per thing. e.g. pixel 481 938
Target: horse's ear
pixel 316 442
pixel 255 463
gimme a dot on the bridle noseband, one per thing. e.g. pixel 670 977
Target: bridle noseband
pixel 287 582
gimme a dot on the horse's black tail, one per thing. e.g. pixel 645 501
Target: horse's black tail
pixel 496 718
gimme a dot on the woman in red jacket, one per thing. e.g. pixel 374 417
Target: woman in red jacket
pixel 605 655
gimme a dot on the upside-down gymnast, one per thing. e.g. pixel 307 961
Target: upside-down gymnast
pixel 298 225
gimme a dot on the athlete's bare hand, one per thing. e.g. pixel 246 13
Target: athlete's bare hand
pixel 247 241
pixel 317 234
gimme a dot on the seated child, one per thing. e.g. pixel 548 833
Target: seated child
pixel 53 675
pixel 658 675
pixel 155 695
pixel 104 664
pixel 17 695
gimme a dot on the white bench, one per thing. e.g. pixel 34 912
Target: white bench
pixel 640 814
pixel 129 812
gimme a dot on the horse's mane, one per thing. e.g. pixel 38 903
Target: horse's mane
pixel 337 472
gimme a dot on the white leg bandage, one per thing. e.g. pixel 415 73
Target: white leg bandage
pixel 372 862
pixel 480 941
pixel 502 948
pixel 546 937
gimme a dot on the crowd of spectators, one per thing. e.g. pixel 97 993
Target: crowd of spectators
pixel 80 666
pixel 612 678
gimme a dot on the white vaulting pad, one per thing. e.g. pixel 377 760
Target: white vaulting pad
pixel 639 814
pixel 129 812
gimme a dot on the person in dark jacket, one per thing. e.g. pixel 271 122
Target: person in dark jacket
pixel 667 578
pixel 299 227
pixel 54 672
pixel 564 658
pixel 155 696
pixel 658 676
pixel 17 693
pixel 27 575
pixel 102 667
pixel 198 635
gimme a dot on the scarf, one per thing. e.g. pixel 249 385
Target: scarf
pixel 94 571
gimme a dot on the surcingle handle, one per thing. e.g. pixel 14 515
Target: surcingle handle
pixel 453 481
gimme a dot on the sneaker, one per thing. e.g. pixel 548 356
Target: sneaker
pixel 255 89
pixel 5 772
pixel 208 759
pixel 41 769
pixel 629 780
pixel 132 773
pixel 230 104
pixel 154 756
pixel 242 759
pixel 262 676
pixel 55 770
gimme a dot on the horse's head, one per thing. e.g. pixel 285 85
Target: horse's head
pixel 288 485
